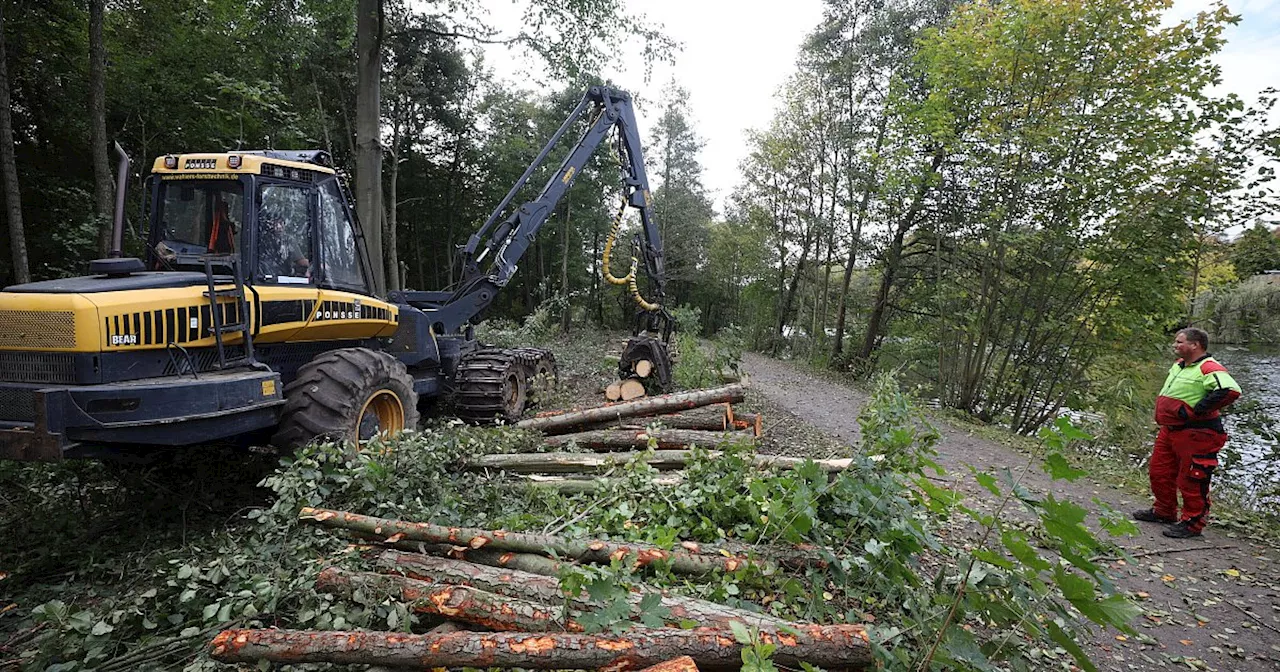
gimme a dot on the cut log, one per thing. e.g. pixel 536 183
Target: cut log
pixel 578 463
pixel 535 588
pixel 595 551
pixel 667 403
pixel 457 602
pixel 681 664
pixel 705 418
pixel 631 388
pixel 643 368
pixel 610 440
pixel 576 486
pixel 749 421
pixel 832 646
pixel 614 391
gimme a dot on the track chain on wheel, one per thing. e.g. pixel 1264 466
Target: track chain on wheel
pixel 491 384
pixel 540 371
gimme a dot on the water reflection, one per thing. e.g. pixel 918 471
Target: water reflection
pixel 1252 456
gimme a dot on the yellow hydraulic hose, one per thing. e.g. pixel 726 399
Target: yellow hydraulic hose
pixel 630 278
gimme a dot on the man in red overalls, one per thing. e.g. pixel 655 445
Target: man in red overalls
pixel 1191 434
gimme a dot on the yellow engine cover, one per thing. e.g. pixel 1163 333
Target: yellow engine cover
pixel 142 319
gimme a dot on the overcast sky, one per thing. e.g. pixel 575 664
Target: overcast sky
pixel 734 59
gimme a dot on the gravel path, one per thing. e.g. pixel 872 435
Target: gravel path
pixel 1211 603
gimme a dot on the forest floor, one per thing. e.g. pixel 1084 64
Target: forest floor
pixel 1209 603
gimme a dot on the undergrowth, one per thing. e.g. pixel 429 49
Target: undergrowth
pixel 860 546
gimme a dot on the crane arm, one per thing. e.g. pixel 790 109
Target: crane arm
pixel 492 254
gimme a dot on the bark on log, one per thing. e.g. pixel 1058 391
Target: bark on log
pixel 576 463
pixel 607 440
pixel 587 550
pixel 833 646
pixel 631 388
pixel 643 368
pixel 540 589
pixel 706 418
pixel 576 486
pixel 456 602
pixel 614 391
pixel 666 403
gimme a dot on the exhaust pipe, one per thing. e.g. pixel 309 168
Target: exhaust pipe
pixel 122 181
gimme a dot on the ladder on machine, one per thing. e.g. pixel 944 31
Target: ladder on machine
pixel 240 322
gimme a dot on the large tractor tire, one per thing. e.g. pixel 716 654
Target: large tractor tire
pixel 352 395
pixel 540 371
pixel 491 384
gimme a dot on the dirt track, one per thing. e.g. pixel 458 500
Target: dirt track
pixel 1197 591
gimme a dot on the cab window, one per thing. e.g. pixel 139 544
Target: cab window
pixel 341 260
pixel 199 217
pixel 284 234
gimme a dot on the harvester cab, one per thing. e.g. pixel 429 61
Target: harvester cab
pixel 252 317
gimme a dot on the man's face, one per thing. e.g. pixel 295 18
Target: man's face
pixel 1185 349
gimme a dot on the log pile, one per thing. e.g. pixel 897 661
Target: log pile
pixel 660 431
pixel 494 600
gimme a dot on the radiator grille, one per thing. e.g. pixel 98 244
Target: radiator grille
pixel 37 367
pixel 37 329
pixel 17 404
pixel 204 359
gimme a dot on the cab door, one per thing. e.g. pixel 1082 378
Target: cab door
pixel 284 254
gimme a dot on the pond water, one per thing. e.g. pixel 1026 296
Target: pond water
pixel 1251 459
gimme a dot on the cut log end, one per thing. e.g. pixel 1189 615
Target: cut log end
pixel 631 388
pixel 614 391
pixel 643 368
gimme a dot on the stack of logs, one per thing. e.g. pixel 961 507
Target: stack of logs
pixel 631 387
pixel 497 603
pixel 619 433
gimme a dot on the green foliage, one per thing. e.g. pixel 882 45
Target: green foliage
pixel 1255 251
pixel 259 572
pixel 1245 313
pixel 700 363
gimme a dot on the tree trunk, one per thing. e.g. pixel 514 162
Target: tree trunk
pixel 833 646
pixel 565 312
pixel 583 550
pixel 855 242
pixel 875 323
pixel 666 403
pixel 9 166
pixel 608 440
pixel 368 142
pixel 456 602
pixel 546 590
pixel 578 463
pixel 393 207
pixel 103 205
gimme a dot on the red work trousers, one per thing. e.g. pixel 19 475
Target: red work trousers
pixel 1183 462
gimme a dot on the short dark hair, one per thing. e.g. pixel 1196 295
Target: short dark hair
pixel 1196 335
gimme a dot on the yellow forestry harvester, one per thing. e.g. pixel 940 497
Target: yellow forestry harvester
pixel 252 316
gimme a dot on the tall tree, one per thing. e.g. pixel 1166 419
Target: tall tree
pixel 681 205
pixel 102 201
pixel 369 24
pixel 12 193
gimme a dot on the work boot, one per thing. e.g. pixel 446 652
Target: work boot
pixel 1150 516
pixel 1181 530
